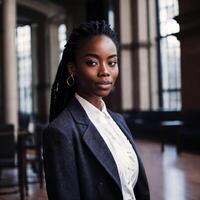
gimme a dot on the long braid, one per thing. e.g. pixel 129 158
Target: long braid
pixel 61 93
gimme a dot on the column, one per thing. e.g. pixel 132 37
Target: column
pixel 126 65
pixel 9 63
pixel 189 36
pixel 43 72
pixel 144 57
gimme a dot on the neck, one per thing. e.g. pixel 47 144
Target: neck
pixel 94 100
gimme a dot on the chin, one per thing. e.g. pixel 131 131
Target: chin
pixel 103 93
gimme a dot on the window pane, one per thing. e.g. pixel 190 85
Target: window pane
pixel 111 18
pixel 170 55
pixel 62 37
pixel 24 63
pixel 167 24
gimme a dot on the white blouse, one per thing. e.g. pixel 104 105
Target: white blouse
pixel 119 146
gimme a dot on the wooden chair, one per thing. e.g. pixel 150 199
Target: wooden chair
pixel 9 156
pixel 31 152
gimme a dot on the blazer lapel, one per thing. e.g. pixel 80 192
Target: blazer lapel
pixel 94 141
pixel 99 148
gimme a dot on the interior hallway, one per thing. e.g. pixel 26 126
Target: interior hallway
pixel 171 177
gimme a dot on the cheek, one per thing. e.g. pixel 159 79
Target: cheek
pixel 115 74
pixel 83 77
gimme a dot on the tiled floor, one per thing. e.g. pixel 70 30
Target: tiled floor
pixel 171 177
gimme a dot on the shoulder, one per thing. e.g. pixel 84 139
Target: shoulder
pixel 66 119
pixel 71 122
pixel 62 121
pixel 60 126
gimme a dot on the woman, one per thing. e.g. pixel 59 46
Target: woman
pixel 89 152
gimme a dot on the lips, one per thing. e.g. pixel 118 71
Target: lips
pixel 104 84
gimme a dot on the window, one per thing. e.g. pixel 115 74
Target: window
pixel 111 15
pixel 24 64
pixel 170 75
pixel 62 37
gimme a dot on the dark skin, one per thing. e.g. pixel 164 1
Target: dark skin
pixel 95 69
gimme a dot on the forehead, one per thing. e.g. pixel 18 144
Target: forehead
pixel 98 44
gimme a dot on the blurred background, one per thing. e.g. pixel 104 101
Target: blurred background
pixel 158 90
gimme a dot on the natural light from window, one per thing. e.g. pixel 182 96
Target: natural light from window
pixel 170 55
pixel 24 63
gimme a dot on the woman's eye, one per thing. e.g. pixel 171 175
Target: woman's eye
pixel 91 63
pixel 112 63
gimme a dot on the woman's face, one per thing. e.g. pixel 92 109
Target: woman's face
pixel 96 67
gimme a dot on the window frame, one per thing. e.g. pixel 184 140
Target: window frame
pixel 161 90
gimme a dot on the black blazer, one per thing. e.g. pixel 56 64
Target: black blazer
pixel 78 164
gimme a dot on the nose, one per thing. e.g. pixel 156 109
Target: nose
pixel 103 70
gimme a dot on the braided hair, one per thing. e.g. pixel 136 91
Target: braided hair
pixel 61 93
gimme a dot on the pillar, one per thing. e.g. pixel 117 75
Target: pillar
pixel 9 63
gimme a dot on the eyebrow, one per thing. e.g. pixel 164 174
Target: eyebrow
pixel 97 56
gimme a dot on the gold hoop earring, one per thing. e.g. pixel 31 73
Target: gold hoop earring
pixel 70 80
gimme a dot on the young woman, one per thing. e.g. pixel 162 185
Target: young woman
pixel 89 153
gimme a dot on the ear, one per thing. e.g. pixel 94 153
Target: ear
pixel 71 68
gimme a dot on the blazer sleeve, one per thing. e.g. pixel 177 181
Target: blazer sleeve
pixel 60 166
